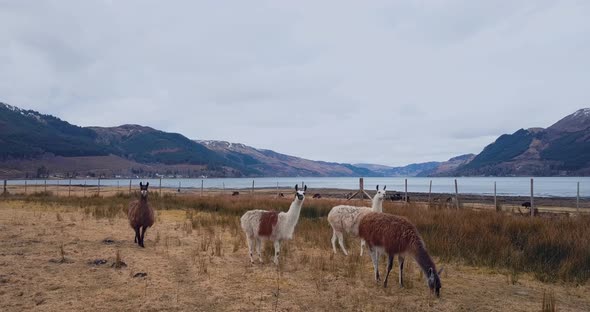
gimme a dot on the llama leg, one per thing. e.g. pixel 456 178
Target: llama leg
pixel 375 258
pixel 277 250
pixel 251 248
pixel 389 266
pixel 259 248
pixel 334 238
pixel 143 229
pixel 136 240
pixel 362 246
pixel 341 242
pixel 401 271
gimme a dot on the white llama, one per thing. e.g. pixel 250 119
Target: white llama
pixel 276 226
pixel 344 218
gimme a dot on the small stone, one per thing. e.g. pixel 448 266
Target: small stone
pixel 98 262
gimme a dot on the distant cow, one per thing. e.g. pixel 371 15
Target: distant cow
pixel 235 193
pixel 317 195
pixel 526 204
pixel 395 197
pixel 281 195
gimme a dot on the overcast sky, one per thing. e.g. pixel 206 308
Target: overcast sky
pixel 386 82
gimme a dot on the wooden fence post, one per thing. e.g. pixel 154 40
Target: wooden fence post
pixel 201 187
pixel 429 194
pixel 252 192
pixel 160 186
pixel 578 199
pixel 495 199
pixel 84 188
pixel 406 187
pixel 98 192
pixel 25 187
pixel 70 188
pixel 456 195
pixel 129 186
pixel 45 187
pixel 362 187
pixel 532 199
pixel 5 191
pixel 57 188
pixel 361 191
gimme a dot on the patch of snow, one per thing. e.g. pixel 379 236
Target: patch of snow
pixel 585 112
pixel 12 108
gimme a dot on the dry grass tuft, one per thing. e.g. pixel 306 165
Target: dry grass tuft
pixel 118 262
pixel 62 253
pixel 202 265
pixel 548 304
pixel 217 251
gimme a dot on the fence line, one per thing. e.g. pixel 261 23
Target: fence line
pixel 32 186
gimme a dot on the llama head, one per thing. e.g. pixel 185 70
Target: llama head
pixel 300 194
pixel 380 193
pixel 433 280
pixel 143 189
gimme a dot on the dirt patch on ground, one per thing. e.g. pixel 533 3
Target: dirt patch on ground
pixel 206 268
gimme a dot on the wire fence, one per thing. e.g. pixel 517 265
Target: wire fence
pixel 447 192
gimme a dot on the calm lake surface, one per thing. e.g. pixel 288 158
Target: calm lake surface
pixel 508 186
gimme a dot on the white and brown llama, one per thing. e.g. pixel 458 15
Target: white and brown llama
pixel 345 219
pixel 141 214
pixel 260 225
pixel 397 236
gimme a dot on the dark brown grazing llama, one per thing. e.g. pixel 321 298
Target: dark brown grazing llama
pixel 141 214
pixel 393 235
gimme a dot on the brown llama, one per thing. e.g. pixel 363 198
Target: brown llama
pixel 141 214
pixel 396 235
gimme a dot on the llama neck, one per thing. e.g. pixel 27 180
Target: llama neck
pixel 294 210
pixel 143 201
pixel 377 204
pixel 424 260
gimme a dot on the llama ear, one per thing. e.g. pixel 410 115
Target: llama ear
pixel 384 187
pixel 140 184
pixel 377 187
pixel 305 188
pixel 440 271
pixel 147 184
pixel 296 187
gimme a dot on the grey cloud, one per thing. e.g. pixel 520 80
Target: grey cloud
pixel 376 81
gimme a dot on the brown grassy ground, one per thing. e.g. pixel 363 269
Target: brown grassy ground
pixel 198 261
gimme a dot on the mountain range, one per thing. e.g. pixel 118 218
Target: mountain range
pixel 425 169
pixel 36 145
pixel 562 149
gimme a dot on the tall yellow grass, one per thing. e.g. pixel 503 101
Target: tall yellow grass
pixel 553 249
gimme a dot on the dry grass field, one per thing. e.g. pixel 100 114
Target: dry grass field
pixel 196 260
